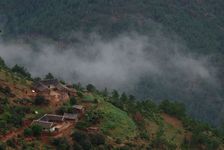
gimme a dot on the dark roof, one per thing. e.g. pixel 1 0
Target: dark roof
pixel 44 84
pixel 51 118
pixel 79 107
pixel 43 124
pixel 50 82
pixel 70 116
pixel 39 86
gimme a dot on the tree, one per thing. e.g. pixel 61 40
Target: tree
pixel 124 97
pixel 132 98
pixel 86 144
pixel 115 95
pixel 40 100
pixel 2 146
pixel 91 88
pixel 37 130
pixel 79 136
pixel 105 92
pixel 11 143
pixel 49 76
pixel 2 63
pixel 61 144
pixel 173 108
pixel 77 146
pixel 28 132
pixel 73 100
pixel 21 70
pixel 97 139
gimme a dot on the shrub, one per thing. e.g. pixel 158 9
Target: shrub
pixel 22 71
pixel 37 130
pixel 173 108
pixel 6 90
pixel 97 139
pixel 79 136
pixel 49 76
pixel 2 146
pixel 2 63
pixel 61 144
pixel 28 132
pixel 80 94
pixel 73 100
pixel 91 88
pixel 77 146
pixel 40 100
pixel 81 125
pixel 86 144
pixel 11 143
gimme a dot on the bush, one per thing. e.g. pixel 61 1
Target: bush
pixel 2 146
pixel 79 136
pixel 80 94
pixel 90 88
pixel 76 146
pixel 86 144
pixel 6 90
pixel 37 130
pixel 49 76
pixel 28 132
pixel 40 100
pixel 81 125
pixel 22 71
pixel 11 143
pixel 73 100
pixel 2 63
pixel 61 144
pixel 173 108
pixel 97 139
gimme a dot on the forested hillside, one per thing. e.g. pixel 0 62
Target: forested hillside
pixel 198 23
pixel 109 121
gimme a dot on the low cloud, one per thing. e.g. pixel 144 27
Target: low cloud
pixel 116 63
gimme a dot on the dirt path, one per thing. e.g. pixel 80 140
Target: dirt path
pixel 15 133
pixel 172 121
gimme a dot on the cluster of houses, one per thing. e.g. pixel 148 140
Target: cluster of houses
pixel 57 93
pixel 53 90
pixel 52 122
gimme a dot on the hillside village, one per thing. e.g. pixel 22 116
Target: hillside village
pixel 50 114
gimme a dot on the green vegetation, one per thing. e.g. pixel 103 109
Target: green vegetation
pixel 116 122
pixel 88 98
pixel 21 71
pixel 40 100
pixel 37 130
pixel 198 23
pixel 124 123
pixel 173 108
pixel 49 76
pixel 61 144
pixel 73 101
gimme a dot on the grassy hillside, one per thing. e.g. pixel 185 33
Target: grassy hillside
pixel 198 23
pixel 116 123
pixel 124 122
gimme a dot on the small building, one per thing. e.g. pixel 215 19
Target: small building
pixel 52 118
pixel 47 126
pixel 92 129
pixel 70 116
pixel 78 109
pixel 53 89
pixel 49 122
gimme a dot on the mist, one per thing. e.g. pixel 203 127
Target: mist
pixel 117 63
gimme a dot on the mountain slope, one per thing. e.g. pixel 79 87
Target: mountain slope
pixel 123 122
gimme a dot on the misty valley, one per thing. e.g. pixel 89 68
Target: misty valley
pixel 105 74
